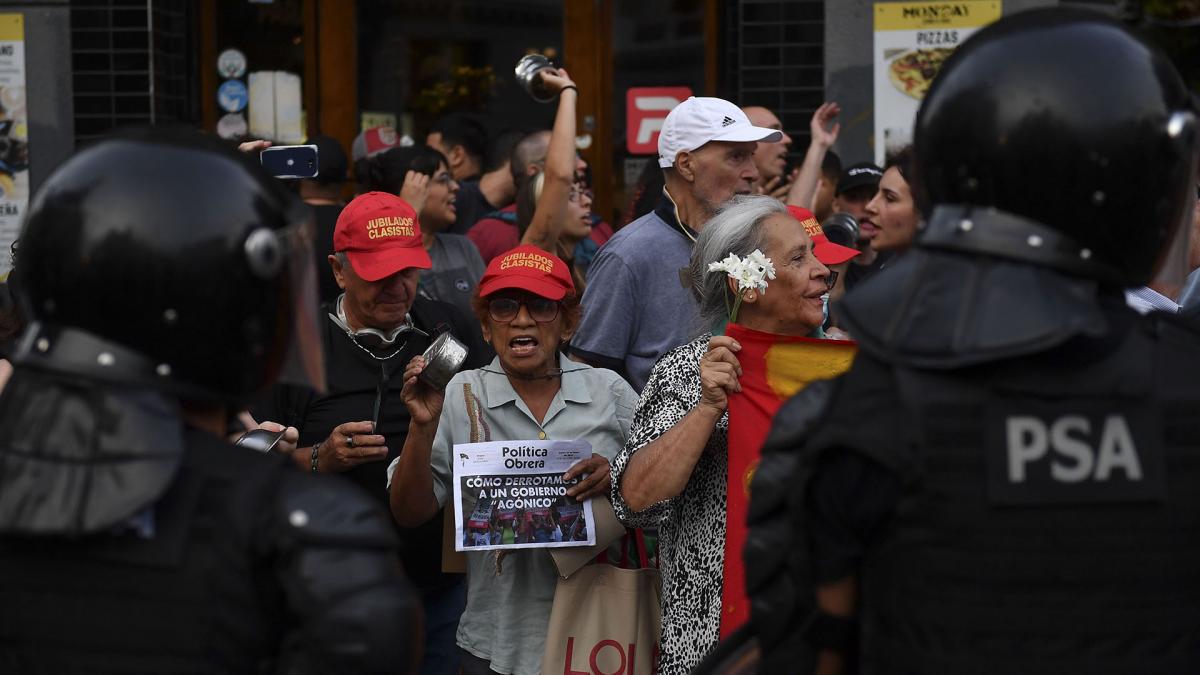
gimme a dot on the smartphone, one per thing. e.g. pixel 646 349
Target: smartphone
pixel 260 439
pixel 290 161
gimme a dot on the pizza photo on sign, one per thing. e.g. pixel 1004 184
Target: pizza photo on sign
pixel 912 72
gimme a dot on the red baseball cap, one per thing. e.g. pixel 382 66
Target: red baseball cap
pixel 528 268
pixel 380 235
pixel 826 251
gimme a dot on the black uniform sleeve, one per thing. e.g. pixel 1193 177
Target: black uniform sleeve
pixel 466 329
pixel 849 498
pixel 282 403
pixel 352 610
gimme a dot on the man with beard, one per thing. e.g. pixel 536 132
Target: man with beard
pixel 637 306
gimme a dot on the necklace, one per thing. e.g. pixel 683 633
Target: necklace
pixel 373 334
pixel 549 375
pixel 371 354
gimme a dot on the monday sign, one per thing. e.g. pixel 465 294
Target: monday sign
pixel 912 41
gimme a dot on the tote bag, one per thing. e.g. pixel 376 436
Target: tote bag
pixel 606 620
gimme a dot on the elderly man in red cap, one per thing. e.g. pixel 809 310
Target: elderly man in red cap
pixel 373 329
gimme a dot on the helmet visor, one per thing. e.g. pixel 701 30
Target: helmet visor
pixel 1177 260
pixel 304 364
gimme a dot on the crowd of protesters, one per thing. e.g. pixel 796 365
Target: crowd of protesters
pixel 618 338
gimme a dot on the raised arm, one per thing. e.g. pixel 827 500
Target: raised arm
pixel 551 211
pixel 824 129
pixel 410 494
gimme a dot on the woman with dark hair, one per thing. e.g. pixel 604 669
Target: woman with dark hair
pixel 528 306
pixel 893 208
pixel 421 176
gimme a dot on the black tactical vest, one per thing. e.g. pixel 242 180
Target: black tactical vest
pixel 1050 520
pixel 198 596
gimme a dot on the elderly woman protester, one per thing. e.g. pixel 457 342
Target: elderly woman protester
pixel 672 472
pixel 529 392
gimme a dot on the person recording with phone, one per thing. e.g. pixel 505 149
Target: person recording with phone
pixel 368 334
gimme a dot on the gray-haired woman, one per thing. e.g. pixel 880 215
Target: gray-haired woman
pixel 672 472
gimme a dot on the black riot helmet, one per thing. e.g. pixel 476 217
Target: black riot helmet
pixel 1057 137
pixel 167 259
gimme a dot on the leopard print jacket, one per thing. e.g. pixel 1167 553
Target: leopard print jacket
pixel 691 526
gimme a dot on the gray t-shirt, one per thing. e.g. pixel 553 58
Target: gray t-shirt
pixel 635 307
pixel 508 615
pixel 456 271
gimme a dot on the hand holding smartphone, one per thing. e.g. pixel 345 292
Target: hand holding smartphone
pixel 290 161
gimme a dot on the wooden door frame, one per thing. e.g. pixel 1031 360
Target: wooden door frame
pixel 330 78
pixel 587 45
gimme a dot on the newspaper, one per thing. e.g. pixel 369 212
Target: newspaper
pixel 510 494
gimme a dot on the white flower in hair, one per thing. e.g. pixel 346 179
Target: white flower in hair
pixel 763 263
pixel 751 274
pixel 730 264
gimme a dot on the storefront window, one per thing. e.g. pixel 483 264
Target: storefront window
pixel 418 60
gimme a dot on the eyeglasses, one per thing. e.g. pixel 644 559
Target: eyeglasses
pixel 504 310
pixel 576 193
pixel 444 178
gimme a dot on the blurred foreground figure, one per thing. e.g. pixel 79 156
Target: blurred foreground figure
pixel 168 280
pixel 1005 480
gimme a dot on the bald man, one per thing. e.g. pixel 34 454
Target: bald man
pixel 770 158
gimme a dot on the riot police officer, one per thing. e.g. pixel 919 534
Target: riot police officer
pixel 1006 480
pixel 165 280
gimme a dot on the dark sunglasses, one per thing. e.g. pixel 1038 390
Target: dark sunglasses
pixel 831 279
pixel 541 310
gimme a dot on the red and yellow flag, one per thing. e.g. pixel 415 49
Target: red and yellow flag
pixel 774 368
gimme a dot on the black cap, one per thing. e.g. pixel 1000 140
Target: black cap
pixel 859 175
pixel 331 160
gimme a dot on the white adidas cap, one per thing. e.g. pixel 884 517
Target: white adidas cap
pixel 697 121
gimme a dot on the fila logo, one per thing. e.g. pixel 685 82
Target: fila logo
pixel 1074 458
pixel 726 122
pixel 646 109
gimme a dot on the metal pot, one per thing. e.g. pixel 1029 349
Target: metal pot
pixel 529 75
pixel 442 360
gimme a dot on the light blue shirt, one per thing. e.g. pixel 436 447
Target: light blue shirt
pixel 508 615
pixel 636 307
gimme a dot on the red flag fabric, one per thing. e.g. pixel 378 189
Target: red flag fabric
pixel 774 367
